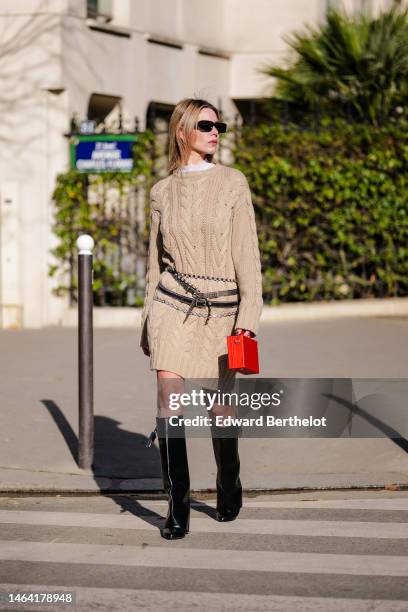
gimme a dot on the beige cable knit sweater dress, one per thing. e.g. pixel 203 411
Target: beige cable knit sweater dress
pixel 202 222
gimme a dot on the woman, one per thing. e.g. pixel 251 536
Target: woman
pixel 203 283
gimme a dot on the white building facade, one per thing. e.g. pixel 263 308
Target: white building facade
pixel 58 57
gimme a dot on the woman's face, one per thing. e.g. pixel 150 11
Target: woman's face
pixel 205 142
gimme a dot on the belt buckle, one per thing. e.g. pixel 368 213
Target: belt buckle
pixel 201 302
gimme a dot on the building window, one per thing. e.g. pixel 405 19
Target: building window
pixel 101 10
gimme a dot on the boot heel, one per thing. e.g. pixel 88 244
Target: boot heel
pixel 229 487
pixel 176 478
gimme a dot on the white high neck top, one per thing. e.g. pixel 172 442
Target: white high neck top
pixel 202 165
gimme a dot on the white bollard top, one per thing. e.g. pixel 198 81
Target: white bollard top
pixel 85 244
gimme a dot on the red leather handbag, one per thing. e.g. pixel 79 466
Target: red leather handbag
pixel 243 354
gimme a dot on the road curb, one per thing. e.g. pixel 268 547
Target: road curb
pixel 153 486
pixel 112 317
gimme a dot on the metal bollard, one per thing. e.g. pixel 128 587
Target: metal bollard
pixel 85 244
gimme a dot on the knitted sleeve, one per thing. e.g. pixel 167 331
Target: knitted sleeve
pixel 247 260
pixel 154 264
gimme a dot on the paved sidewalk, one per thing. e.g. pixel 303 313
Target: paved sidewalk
pixel 39 415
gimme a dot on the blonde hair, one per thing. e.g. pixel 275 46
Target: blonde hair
pixel 185 116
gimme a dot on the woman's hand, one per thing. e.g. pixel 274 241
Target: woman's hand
pixel 246 332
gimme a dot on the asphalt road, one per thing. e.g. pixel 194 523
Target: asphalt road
pixel 324 551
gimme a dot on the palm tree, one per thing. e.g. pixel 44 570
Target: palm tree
pixel 355 63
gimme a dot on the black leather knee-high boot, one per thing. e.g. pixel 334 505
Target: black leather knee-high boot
pixel 229 488
pixel 176 478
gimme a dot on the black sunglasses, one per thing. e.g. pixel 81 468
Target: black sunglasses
pixel 207 126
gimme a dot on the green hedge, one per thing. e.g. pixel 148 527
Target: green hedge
pixel 331 207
